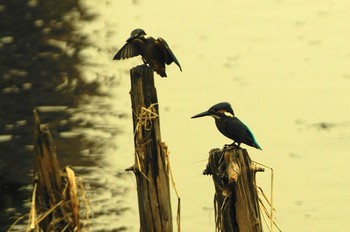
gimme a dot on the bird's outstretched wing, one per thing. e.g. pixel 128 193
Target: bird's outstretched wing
pixel 127 51
pixel 168 54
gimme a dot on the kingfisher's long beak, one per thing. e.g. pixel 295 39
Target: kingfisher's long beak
pixel 206 113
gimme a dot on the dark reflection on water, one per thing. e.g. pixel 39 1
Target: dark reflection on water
pixel 39 60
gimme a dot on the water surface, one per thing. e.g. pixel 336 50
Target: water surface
pixel 283 65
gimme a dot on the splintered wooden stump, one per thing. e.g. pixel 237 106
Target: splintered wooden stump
pixel 150 166
pixel 55 200
pixel 236 200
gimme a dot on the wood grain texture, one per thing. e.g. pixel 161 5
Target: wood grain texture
pixel 150 161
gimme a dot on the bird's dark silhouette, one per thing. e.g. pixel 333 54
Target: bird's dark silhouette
pixel 229 125
pixel 155 52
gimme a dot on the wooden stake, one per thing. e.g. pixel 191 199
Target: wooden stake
pixel 55 200
pixel 150 161
pixel 236 200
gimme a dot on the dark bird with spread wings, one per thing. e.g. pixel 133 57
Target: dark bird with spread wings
pixel 229 125
pixel 155 52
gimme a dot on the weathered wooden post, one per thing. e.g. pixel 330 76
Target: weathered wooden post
pixel 150 166
pixel 236 200
pixel 55 200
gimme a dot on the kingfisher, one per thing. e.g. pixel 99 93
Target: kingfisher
pixel 229 125
pixel 155 52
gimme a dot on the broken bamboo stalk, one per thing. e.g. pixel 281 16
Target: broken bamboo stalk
pixel 150 166
pixel 236 200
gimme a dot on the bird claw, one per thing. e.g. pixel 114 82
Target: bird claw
pixel 232 145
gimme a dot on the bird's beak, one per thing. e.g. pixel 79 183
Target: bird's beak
pixel 206 113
